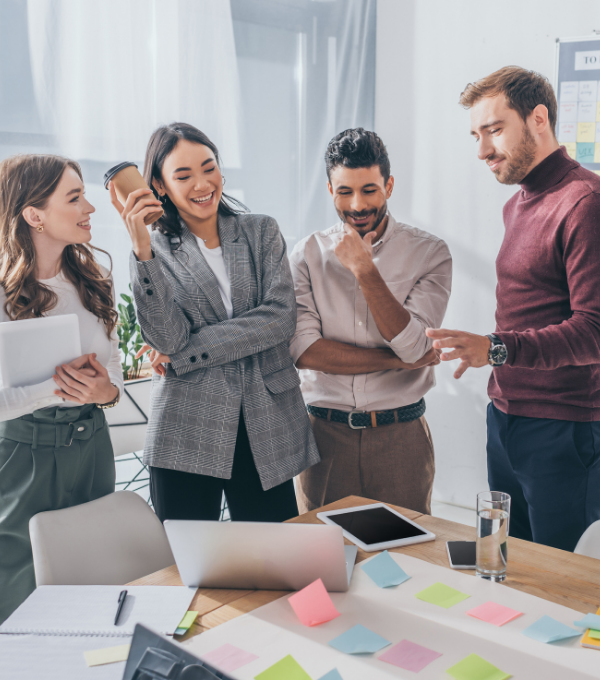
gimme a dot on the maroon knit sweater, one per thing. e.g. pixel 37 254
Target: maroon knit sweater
pixel 548 295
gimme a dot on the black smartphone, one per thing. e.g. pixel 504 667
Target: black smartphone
pixel 461 554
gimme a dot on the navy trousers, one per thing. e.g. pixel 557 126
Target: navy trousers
pixel 551 469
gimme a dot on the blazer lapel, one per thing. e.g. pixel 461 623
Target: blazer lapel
pixel 236 255
pixel 190 256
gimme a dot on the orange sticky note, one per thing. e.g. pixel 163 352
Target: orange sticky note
pixel 313 604
pixel 587 641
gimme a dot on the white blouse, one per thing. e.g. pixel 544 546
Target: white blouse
pixel 19 401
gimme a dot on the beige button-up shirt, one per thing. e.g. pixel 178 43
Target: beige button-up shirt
pixel 417 268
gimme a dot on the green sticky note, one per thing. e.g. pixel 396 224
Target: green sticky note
pixel 286 669
pixel 473 667
pixel 442 595
pixel 187 620
pixel 594 634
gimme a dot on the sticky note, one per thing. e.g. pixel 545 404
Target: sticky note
pixel 473 667
pixel 496 614
pixel 598 111
pixel 359 640
pixel 384 570
pixel 228 658
pixel 286 669
pixel 586 132
pixel 549 630
pixel 442 595
pixel 571 149
pixel 313 604
pixel 410 656
pixel 98 657
pixel 586 112
pixel 567 132
pixel 589 621
pixel 332 675
pixel 594 634
pixel 585 152
pixel 597 145
pixel 186 623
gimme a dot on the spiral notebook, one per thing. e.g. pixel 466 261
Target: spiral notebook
pixel 90 610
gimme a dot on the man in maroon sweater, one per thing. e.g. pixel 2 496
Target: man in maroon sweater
pixel 544 418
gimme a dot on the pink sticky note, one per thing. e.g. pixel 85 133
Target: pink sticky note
pixel 494 613
pixel 228 658
pixel 410 656
pixel 313 604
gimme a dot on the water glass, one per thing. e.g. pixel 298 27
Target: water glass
pixel 493 514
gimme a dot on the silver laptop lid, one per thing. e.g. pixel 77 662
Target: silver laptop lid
pixel 261 555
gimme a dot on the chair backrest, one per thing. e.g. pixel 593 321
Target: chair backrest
pixel 109 541
pixel 589 543
pixel 128 420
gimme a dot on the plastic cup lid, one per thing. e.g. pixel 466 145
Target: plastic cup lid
pixel 116 169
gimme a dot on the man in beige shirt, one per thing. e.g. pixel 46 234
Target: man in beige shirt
pixel 367 289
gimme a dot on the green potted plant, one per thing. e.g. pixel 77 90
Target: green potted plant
pixel 130 338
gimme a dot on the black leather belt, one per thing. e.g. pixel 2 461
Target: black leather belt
pixel 358 420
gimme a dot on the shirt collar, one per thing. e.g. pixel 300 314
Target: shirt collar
pixel 548 173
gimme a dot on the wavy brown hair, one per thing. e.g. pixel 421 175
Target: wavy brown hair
pixel 29 180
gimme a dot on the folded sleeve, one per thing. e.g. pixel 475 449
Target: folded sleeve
pixel 308 321
pixel 426 303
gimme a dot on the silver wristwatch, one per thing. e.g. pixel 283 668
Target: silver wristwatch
pixel 497 352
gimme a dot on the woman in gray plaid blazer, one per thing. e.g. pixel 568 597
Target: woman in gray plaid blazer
pixel 216 303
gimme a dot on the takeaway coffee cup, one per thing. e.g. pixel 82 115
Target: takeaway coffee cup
pixel 126 178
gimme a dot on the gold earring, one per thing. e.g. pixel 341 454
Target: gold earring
pixel 40 229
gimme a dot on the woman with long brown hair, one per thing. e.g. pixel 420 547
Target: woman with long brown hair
pixel 55 449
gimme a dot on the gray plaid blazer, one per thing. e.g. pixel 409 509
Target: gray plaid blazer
pixel 220 366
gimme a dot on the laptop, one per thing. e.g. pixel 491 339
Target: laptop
pixel 260 555
pixel 31 349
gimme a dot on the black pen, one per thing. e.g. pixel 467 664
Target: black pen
pixel 122 596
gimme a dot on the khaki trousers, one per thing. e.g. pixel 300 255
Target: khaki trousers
pixel 390 463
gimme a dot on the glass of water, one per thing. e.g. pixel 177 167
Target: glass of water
pixel 493 513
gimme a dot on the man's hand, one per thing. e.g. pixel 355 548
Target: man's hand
pixel 430 358
pixel 471 349
pixel 356 253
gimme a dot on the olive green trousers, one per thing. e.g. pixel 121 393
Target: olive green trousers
pixel 54 458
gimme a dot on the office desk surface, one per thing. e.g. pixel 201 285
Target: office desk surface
pixel 555 575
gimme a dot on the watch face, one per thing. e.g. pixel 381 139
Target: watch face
pixel 498 355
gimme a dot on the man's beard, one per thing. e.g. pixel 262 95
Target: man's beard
pixel 379 217
pixel 518 167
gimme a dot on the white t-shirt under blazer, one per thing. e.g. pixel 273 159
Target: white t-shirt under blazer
pixel 214 259
pixel 19 401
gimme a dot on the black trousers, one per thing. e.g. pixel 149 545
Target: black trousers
pixel 551 469
pixel 184 495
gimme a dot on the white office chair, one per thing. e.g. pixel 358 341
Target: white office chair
pixel 589 543
pixel 109 541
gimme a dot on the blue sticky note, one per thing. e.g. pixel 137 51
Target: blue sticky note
pixel 585 152
pixel 589 621
pixel 385 571
pixel 547 629
pixel 332 675
pixel 359 640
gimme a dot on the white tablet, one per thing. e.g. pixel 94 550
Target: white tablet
pixel 31 349
pixel 376 527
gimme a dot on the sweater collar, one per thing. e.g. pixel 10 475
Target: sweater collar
pixel 548 173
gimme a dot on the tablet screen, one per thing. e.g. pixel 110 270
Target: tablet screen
pixel 376 525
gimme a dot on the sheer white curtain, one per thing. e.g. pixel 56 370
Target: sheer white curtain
pixel 106 73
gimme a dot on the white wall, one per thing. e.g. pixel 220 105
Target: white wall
pixel 427 51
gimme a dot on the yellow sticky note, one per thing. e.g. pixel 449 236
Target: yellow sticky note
pixel 587 640
pixel 571 148
pixel 98 657
pixel 187 620
pixel 597 152
pixel 598 112
pixel 586 132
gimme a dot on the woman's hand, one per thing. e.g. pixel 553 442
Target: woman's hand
pixel 84 381
pixel 156 359
pixel 139 204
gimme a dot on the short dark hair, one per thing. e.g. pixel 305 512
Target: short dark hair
pixel 524 90
pixel 357 148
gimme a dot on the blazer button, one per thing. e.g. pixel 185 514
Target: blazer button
pixel 193 359
pixel 204 355
pixel 146 280
pixel 149 292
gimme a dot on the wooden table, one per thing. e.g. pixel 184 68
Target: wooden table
pixel 555 575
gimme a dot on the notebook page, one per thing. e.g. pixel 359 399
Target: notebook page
pixel 90 610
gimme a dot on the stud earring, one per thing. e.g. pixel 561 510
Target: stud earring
pixel 40 229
